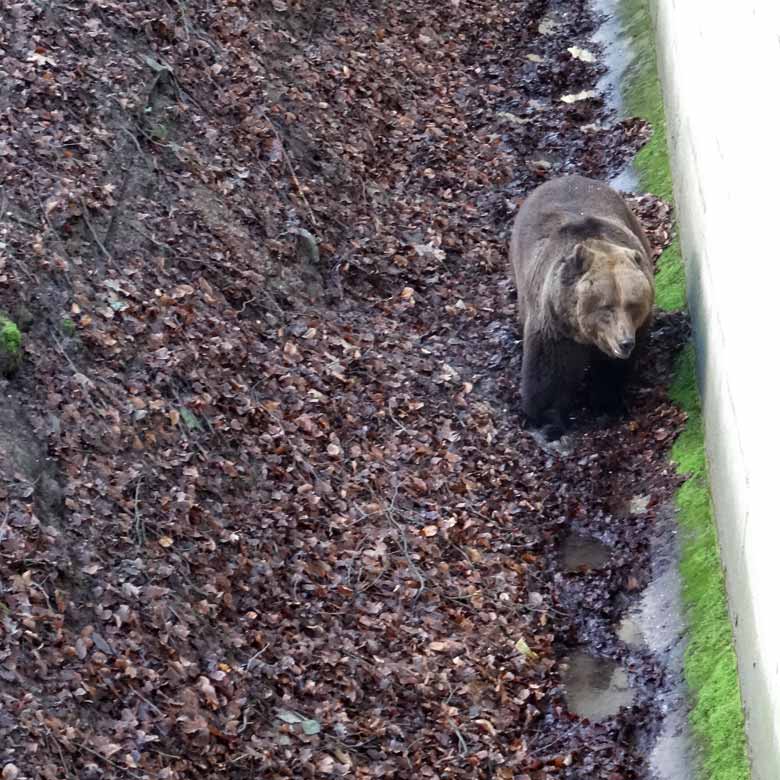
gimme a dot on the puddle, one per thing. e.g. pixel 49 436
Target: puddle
pixel 630 633
pixel 618 56
pixel 580 553
pixel 596 688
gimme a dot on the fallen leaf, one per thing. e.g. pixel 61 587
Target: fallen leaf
pixel 522 647
pixel 288 716
pixel 586 94
pixel 207 689
pixel 310 727
pixel 547 25
pixel 581 54
pixel 638 504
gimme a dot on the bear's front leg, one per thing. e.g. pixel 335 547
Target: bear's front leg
pixel 552 370
pixel 609 377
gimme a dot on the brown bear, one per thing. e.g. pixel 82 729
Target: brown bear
pixel 584 276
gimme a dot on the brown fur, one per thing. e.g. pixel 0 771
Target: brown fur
pixel 584 276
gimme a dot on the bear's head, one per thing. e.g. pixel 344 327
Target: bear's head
pixel 614 295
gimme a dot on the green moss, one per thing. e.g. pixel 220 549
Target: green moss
pixel 68 327
pixel 10 341
pixel 190 420
pixel 710 662
pixel 688 451
pixel 670 279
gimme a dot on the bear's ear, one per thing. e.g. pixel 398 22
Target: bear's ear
pixel 580 259
pixel 575 265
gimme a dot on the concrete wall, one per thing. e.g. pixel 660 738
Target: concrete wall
pixel 720 69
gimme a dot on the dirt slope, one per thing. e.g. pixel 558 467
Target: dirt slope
pixel 267 508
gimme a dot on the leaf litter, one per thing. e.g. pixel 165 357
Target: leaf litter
pixel 283 519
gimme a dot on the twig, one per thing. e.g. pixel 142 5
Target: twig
pixel 412 565
pixel 95 236
pixel 248 664
pixel 397 422
pixel 140 527
pixel 43 593
pixel 244 719
pixel 163 753
pixel 390 510
pixel 135 141
pixel 20 220
pixel 463 747
pixel 82 746
pixel 287 159
pixel 556 740
pixel 144 699
pixel 152 239
pixel 373 582
pixel 62 351
pixel 247 303
pixel 65 765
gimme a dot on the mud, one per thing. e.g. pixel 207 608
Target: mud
pixel 580 553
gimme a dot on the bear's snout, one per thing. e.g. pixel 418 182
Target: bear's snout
pixel 626 347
